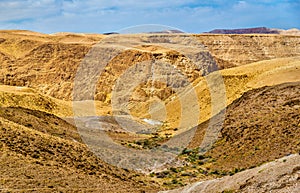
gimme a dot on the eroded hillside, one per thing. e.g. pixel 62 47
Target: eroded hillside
pixel 42 152
pixel 259 127
pixel 49 63
pixel 235 50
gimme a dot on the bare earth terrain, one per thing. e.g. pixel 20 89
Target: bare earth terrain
pixel 41 149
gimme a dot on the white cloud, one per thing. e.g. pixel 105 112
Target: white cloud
pixel 101 16
pixel 30 9
pixel 241 4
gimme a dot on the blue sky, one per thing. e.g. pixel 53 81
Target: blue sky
pixel 194 16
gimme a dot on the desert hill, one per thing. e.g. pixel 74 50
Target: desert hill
pixel 261 125
pixel 14 96
pixel 230 50
pixel 41 149
pixel 48 63
pixel 224 157
pixel 256 30
pixel 41 152
pixel 237 80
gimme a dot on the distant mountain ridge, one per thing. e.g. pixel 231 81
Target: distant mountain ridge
pixel 257 30
pixel 174 31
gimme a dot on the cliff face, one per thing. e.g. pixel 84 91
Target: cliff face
pixel 235 50
pixel 49 63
